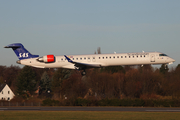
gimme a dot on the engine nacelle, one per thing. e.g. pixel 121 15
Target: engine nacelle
pixel 47 59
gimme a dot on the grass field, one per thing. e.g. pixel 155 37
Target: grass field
pixel 79 115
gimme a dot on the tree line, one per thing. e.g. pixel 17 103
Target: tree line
pixel 118 82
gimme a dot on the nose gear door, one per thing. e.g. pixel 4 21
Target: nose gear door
pixel 152 59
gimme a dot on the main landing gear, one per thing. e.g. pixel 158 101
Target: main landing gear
pixel 83 73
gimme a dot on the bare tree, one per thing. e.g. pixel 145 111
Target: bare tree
pixel 99 50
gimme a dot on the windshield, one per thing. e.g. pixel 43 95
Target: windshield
pixel 162 55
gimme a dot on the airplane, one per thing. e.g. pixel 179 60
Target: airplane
pixel 83 62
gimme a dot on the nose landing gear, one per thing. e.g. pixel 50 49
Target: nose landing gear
pixel 166 66
pixel 83 72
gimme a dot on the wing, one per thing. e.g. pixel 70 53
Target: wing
pixel 82 65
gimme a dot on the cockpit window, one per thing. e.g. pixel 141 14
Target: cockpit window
pixel 162 55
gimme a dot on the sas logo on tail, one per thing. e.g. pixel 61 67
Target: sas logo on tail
pixel 23 55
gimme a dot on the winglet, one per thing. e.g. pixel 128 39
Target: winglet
pixel 69 60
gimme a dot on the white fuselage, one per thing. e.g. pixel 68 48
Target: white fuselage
pixel 103 60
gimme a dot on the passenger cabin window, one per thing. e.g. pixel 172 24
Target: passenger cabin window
pixel 106 57
pixel 125 56
pixel 114 57
pixel 93 57
pixel 110 57
pixel 117 56
pixel 80 58
pixel 99 57
pixel 129 56
pixel 121 56
pixel 85 58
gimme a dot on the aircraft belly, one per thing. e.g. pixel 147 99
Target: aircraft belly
pixel 59 65
pixel 71 66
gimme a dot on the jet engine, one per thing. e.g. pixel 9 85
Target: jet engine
pixel 47 59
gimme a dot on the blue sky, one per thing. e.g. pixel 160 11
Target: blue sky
pixel 80 26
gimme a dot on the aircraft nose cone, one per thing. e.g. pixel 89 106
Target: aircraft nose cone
pixel 173 60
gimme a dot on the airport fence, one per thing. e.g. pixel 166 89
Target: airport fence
pixel 8 103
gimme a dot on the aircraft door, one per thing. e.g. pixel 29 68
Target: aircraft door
pixel 152 58
pixel 93 59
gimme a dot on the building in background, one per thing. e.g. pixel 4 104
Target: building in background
pixel 5 92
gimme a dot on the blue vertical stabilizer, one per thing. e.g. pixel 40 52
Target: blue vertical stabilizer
pixel 20 51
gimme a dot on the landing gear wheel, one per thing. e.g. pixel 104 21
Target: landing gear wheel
pixel 165 66
pixel 83 73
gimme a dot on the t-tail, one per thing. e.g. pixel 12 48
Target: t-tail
pixel 20 51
